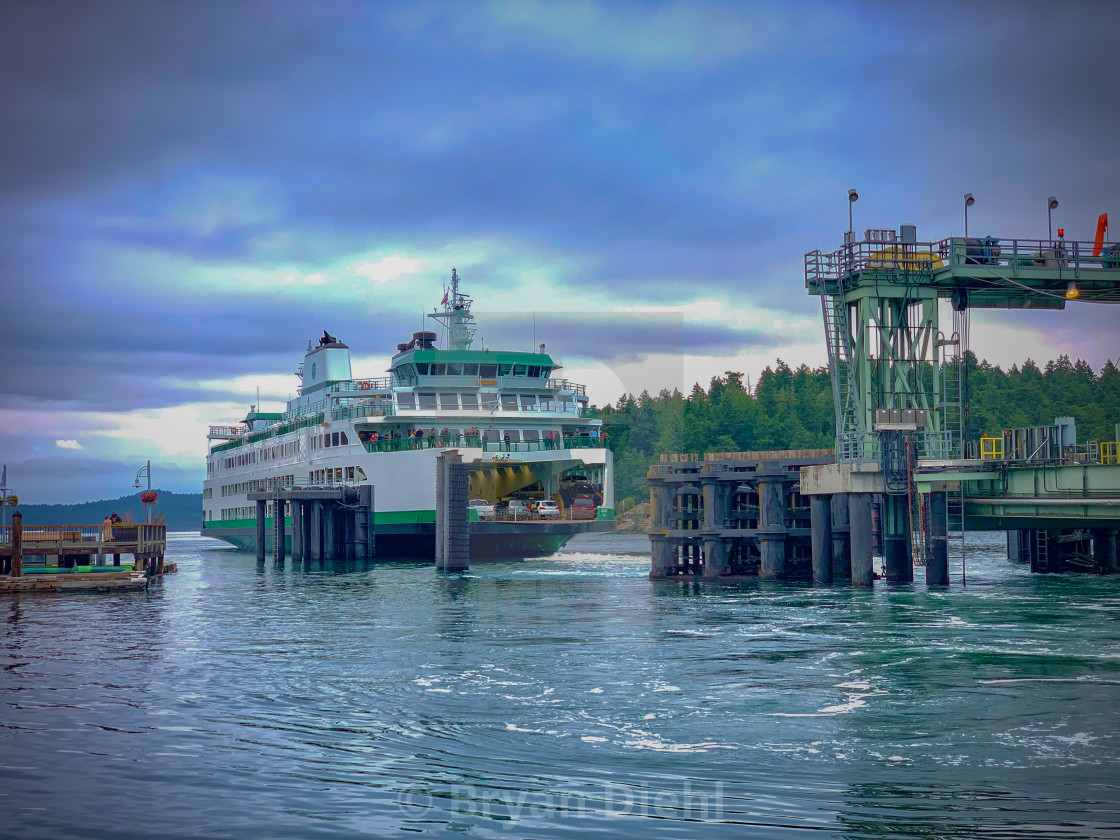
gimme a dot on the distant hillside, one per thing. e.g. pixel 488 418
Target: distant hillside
pixel 184 511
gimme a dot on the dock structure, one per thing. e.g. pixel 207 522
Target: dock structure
pixel 316 523
pixel 453 535
pixel 903 446
pixel 734 515
pixel 67 557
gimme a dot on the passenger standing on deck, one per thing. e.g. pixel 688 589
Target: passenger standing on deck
pixel 107 530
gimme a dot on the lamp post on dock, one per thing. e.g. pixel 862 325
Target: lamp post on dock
pixel 146 471
pixel 1051 204
pixel 968 202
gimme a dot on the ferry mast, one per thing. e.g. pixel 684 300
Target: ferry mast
pixel 456 316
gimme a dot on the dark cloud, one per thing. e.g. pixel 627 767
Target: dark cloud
pixel 618 337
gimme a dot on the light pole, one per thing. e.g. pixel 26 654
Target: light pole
pixel 4 497
pixel 146 471
pixel 968 202
pixel 853 197
pixel 1051 203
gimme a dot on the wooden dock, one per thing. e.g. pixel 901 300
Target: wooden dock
pixel 57 558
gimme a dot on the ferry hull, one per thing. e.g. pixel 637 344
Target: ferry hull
pixel 489 540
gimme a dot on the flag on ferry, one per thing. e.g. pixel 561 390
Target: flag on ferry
pixel 444 298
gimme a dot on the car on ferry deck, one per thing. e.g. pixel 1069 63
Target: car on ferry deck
pixel 483 508
pixel 547 509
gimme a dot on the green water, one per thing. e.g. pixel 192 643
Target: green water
pixel 563 697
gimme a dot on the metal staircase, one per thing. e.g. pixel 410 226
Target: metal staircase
pixel 952 394
pixel 838 344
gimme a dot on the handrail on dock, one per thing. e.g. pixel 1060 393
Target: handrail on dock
pixel 146 543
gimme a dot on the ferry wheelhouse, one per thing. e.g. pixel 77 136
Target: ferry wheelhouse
pixel 525 433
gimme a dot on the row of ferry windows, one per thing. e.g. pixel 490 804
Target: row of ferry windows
pixel 481 370
pixel 257 485
pixel 268 453
pixel 449 401
pixel 336 475
pixel 329 439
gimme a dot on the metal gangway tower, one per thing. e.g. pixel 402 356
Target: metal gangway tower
pixel 898 377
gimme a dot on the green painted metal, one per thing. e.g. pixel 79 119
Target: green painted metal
pixel 886 349
pixel 480 356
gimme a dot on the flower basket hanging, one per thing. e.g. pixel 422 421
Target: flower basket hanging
pixel 149 497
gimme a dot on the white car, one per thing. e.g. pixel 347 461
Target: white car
pixel 483 508
pixel 548 509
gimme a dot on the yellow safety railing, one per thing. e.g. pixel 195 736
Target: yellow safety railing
pixel 991 448
pixel 1109 452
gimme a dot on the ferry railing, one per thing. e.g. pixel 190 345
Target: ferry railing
pixel 354 412
pixel 283 428
pixel 487 445
pixel 229 432
pixel 407 444
pixel 380 384
pixel 546 444
pixel 567 385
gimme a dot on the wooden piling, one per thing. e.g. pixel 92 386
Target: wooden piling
pixel 17 544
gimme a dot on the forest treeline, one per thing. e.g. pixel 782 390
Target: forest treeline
pixel 792 409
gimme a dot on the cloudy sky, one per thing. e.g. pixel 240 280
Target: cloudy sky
pixel 189 191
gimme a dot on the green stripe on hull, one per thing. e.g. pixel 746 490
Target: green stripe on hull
pixel 380 517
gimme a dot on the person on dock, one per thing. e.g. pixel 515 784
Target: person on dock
pixel 107 529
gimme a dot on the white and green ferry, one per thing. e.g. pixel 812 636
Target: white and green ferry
pixel 524 432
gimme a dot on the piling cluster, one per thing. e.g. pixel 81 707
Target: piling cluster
pixel 746 516
pixel 334 523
